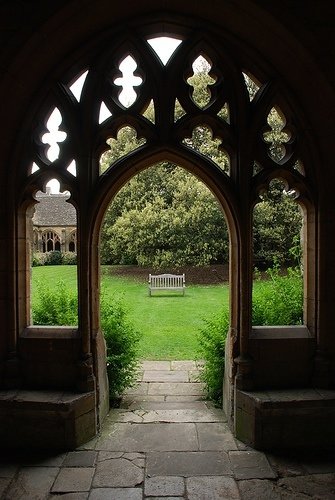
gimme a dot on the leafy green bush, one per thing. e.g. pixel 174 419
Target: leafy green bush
pixel 122 346
pixel 39 259
pixel 276 301
pixel 58 306
pixel 279 299
pixel 55 306
pixel 212 339
pixel 69 258
pixel 54 258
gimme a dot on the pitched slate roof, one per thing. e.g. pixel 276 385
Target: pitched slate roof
pixel 53 210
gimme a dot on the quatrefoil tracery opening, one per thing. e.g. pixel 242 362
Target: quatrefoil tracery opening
pixel 276 135
pixel 201 81
pixel 127 96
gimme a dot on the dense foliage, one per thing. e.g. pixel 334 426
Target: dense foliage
pixel 54 258
pixel 59 306
pixel 276 301
pixel 164 217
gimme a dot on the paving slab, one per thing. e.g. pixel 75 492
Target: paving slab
pixel 32 482
pixel 148 437
pixel 251 465
pixel 185 365
pixel 140 389
pixel 215 436
pixel 73 479
pixel 212 488
pixel 125 415
pixel 201 463
pixel 80 458
pixel 168 405
pixel 187 415
pixel 116 494
pixel 165 376
pixel 134 399
pixel 258 489
pixel 117 472
pixel 176 389
pixel 155 365
pixel 184 399
pixel 164 486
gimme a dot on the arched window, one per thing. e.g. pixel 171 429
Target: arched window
pixel 50 241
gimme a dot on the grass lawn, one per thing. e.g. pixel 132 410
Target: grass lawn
pixel 169 322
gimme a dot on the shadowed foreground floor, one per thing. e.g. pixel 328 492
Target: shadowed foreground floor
pixel 166 442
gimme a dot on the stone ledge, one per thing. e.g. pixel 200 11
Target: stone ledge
pixel 46 419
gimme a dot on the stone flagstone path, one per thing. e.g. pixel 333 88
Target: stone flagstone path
pixel 166 442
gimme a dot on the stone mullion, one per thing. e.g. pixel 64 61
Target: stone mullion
pixel 85 366
pixel 245 258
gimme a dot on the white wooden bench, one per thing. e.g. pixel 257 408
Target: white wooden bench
pixel 173 282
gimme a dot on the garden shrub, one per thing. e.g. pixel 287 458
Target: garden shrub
pixel 55 258
pixel 39 259
pixel 276 301
pixel 69 258
pixel 55 306
pixel 59 306
pixel 122 346
pixel 212 339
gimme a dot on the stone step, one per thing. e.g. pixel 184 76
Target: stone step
pixel 168 416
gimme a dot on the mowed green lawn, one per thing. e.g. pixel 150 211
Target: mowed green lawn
pixel 169 322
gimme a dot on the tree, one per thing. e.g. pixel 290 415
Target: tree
pixel 164 217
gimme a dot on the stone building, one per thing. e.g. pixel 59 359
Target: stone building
pixel 54 223
pixel 286 49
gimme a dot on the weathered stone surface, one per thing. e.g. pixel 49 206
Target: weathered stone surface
pixel 80 459
pixel 32 482
pixel 286 466
pixel 214 463
pixel 148 437
pixel 258 489
pixel 120 415
pixel 215 436
pixel 4 483
pixel 211 487
pixel 251 465
pixel 315 486
pixel 106 455
pixel 187 415
pixel 176 389
pixel 185 365
pixel 164 486
pixel 72 479
pixel 117 472
pixel 156 365
pixel 116 494
pixel 165 376
pixel 138 390
pixel 167 405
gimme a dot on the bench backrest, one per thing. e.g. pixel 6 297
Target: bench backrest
pixel 167 281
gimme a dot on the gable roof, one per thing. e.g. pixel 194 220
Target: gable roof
pixel 53 210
